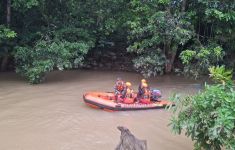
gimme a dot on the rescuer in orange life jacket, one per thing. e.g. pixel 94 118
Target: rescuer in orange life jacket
pixel 142 87
pixel 128 91
pixel 145 91
pixel 119 88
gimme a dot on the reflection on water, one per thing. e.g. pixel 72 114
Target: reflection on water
pixel 52 116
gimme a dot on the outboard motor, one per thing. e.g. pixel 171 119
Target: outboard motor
pixel 155 95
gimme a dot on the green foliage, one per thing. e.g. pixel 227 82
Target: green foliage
pixel 6 33
pixel 187 56
pixel 46 56
pixel 150 64
pixel 215 22
pixel 209 116
pixel 220 74
pixel 197 61
pixel 157 29
pixel 23 5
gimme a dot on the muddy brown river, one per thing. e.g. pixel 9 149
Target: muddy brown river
pixel 52 115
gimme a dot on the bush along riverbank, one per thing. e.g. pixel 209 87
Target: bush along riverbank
pixel 110 59
pixel 209 116
pixel 153 37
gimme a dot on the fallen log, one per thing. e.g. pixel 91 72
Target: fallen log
pixel 129 142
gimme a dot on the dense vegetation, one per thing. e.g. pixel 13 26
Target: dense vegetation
pixel 209 116
pixel 38 36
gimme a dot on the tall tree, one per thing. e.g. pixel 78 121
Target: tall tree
pixel 8 22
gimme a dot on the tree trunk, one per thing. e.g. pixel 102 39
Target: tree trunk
pixel 4 62
pixel 170 55
pixel 8 21
pixel 129 142
pixel 183 5
pixel 170 62
pixel 168 50
pixel 8 13
pixel 172 49
pixel 199 30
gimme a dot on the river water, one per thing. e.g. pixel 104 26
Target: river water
pixel 52 115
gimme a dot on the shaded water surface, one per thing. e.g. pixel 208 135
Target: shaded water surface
pixel 52 115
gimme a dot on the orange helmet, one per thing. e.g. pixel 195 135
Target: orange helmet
pixel 128 84
pixel 145 85
pixel 143 81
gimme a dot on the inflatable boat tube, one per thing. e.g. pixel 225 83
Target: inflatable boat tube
pixel 106 101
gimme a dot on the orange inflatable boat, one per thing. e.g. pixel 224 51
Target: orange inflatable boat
pixel 106 101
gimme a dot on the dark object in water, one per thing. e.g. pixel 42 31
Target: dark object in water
pixel 129 142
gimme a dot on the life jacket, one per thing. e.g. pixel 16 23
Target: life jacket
pixel 120 85
pixel 129 92
pixel 146 93
pixel 141 87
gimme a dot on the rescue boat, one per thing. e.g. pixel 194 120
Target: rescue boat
pixel 106 101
